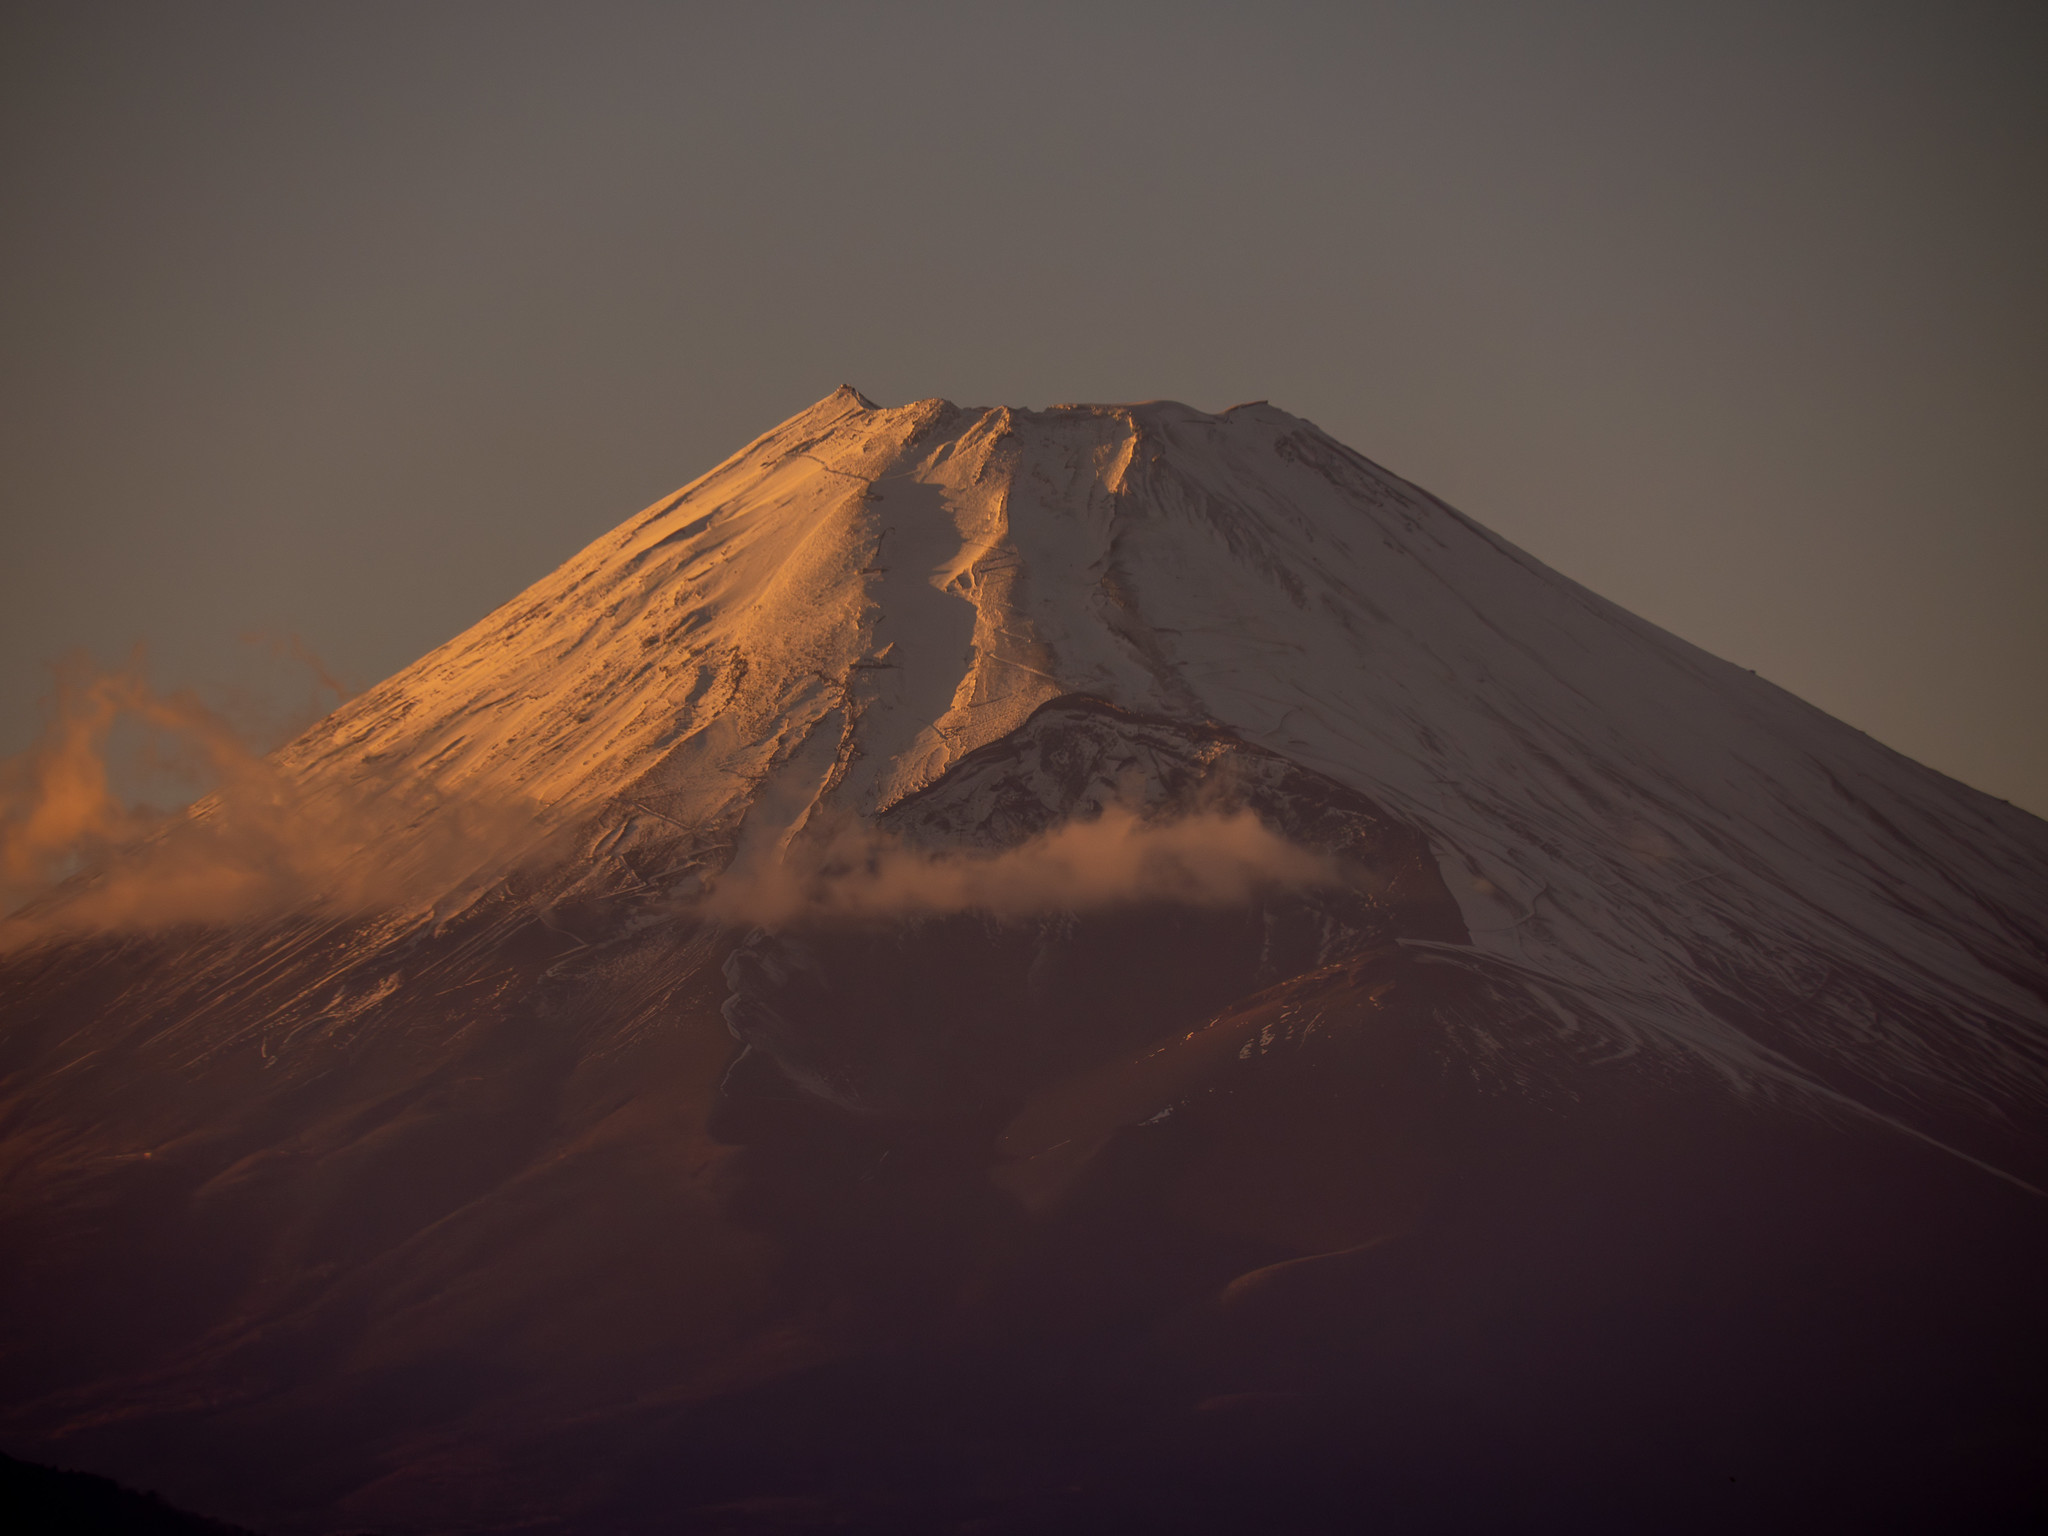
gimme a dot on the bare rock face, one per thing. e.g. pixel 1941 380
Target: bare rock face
pixel 1106 969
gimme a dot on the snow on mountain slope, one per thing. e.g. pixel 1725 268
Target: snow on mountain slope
pixel 1675 857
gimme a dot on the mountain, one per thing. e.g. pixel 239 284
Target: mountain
pixel 1111 968
pixel 47 1501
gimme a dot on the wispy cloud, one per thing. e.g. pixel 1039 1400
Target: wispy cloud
pixel 1212 859
pixel 74 858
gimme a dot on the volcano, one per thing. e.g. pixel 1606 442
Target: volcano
pixel 1101 969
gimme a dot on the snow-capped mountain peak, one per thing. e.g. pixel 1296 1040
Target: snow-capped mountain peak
pixel 1680 857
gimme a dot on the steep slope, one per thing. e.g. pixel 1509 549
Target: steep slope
pixel 1088 963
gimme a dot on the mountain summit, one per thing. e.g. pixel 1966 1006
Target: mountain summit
pixel 1055 968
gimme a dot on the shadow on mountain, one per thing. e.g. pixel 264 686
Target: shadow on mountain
pixel 1343 1283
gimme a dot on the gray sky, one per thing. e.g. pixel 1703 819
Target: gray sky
pixel 351 320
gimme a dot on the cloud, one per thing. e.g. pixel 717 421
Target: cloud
pixel 74 859
pixel 1212 859
pixel 290 647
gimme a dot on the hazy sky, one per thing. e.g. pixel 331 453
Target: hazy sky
pixel 350 320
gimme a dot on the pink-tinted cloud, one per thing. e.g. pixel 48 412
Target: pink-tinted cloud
pixel 74 859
